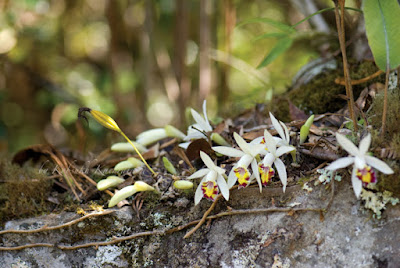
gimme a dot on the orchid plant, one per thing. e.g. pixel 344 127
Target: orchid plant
pixel 363 163
pixel 213 177
pixel 212 181
pixel 247 153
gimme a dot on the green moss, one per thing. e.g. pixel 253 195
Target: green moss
pixel 321 95
pixel 303 180
pixel 23 191
pixel 390 141
pixel 390 183
pixel 393 116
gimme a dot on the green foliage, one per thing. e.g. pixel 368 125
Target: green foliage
pixel 382 21
pixel 281 46
pixel 286 37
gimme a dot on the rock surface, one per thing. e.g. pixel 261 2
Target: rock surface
pixel 346 236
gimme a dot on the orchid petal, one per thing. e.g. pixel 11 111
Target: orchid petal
pixel 364 144
pixel 280 167
pixel 223 187
pixel 356 182
pixel 199 193
pixel 232 179
pixel 347 145
pixel 284 150
pixel 359 162
pixel 228 151
pixel 204 125
pixel 277 126
pixel 242 143
pixel 198 174
pixel 341 163
pixel 279 141
pixel 205 115
pixel 219 170
pixel 270 142
pixel 207 160
pixel 245 160
pixel 268 159
pixel 257 140
pixel 256 149
pixel 378 164
pixel 256 172
pixel 287 136
pixel 194 132
pixel 211 176
pixel 184 145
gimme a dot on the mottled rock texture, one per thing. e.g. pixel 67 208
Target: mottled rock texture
pixel 346 236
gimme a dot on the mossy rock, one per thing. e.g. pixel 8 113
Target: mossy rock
pixel 322 94
pixel 23 191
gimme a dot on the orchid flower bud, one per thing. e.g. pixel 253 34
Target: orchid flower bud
pixel 109 182
pixel 127 191
pixel 168 166
pixel 305 129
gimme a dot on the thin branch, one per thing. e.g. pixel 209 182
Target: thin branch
pixel 342 42
pixel 27 246
pixel 116 240
pixel 204 217
pixel 385 102
pixel 49 228
pixel 342 81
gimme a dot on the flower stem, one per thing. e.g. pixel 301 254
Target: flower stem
pixel 137 151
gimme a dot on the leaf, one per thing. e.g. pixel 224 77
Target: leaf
pixel 270 35
pixel 322 11
pixel 279 25
pixel 280 47
pixel 382 21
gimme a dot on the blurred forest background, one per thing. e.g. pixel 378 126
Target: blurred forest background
pixel 143 62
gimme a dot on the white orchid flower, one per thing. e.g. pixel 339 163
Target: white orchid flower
pixel 196 130
pixel 200 129
pixel 272 157
pixel 212 180
pixel 283 132
pixel 247 156
pixel 283 140
pixel 363 163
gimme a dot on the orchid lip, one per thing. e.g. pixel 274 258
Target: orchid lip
pixel 243 176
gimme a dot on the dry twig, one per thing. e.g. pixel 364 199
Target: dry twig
pixel 49 228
